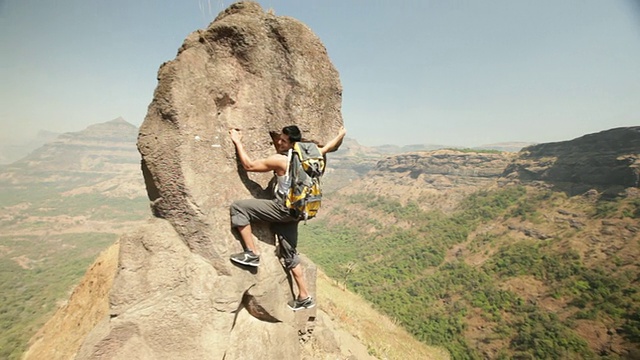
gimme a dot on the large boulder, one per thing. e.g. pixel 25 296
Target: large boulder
pixel 176 294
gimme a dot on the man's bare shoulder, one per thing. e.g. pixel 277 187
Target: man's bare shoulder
pixel 278 160
pixel 278 157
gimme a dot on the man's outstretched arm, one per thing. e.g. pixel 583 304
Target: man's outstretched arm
pixel 335 142
pixel 260 165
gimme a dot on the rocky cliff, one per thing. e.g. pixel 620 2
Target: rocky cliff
pixel 176 295
pixel 437 178
pixel 460 167
pixel 607 161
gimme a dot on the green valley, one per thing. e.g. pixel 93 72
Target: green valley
pixel 515 272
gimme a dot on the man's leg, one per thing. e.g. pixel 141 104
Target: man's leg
pixel 303 300
pixel 288 238
pixel 243 212
pixel 247 238
pixel 298 276
pixel 250 256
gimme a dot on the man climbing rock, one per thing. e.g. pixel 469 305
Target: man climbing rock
pixel 274 211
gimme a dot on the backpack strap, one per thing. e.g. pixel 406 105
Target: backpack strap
pixel 289 154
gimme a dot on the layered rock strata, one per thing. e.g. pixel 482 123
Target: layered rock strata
pixel 608 161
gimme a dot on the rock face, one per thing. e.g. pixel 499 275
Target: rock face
pixel 607 161
pixel 176 294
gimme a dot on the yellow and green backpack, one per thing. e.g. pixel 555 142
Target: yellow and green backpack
pixel 305 169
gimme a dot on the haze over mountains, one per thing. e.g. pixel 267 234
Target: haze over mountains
pixel 101 159
pixel 10 153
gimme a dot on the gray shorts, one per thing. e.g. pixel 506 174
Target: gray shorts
pixel 244 212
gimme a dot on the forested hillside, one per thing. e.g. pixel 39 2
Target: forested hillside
pixel 514 272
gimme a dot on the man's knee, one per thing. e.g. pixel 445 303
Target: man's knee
pixel 289 254
pixel 239 215
pixel 297 268
pixel 292 263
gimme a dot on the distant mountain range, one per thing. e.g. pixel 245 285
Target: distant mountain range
pixel 13 152
pixel 101 156
pixel 395 149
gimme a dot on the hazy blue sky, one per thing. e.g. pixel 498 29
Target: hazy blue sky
pixel 465 72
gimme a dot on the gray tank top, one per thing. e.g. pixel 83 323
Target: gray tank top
pixel 283 183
